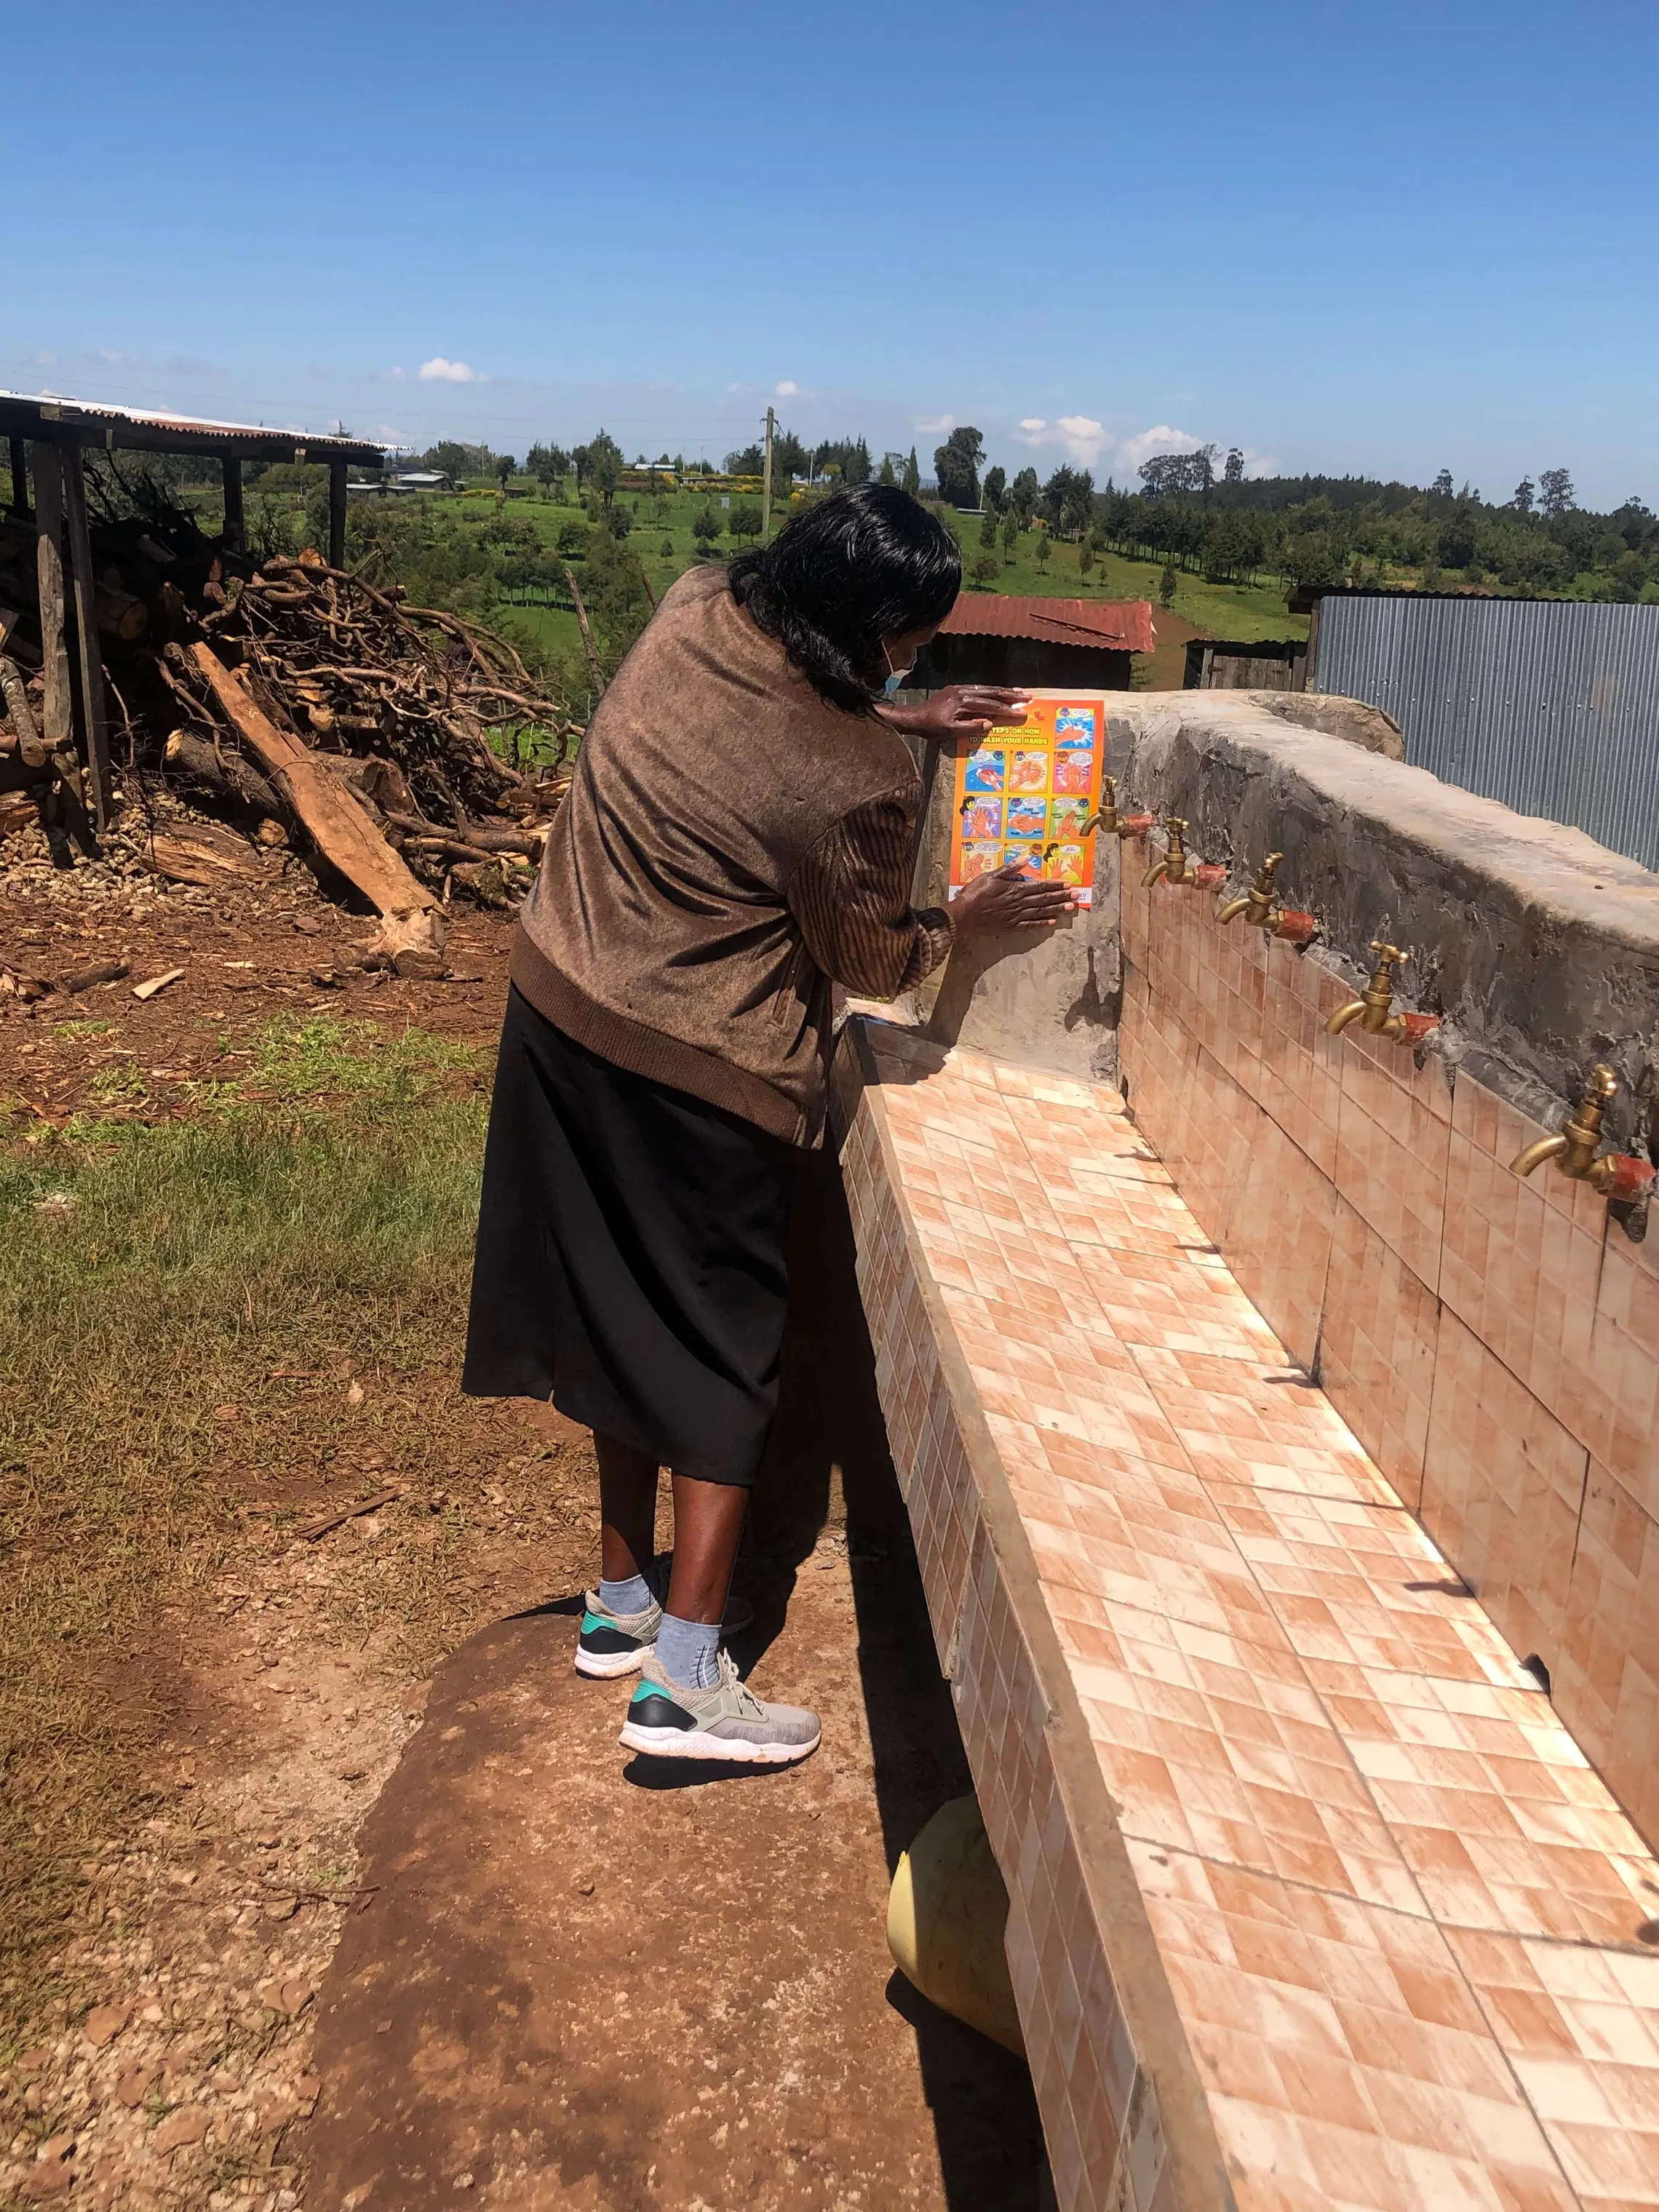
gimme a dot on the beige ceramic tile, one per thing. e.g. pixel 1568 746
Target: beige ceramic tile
pixel 1622 1419
pixel 1606 1680
pixel 1347 2060
pixel 1503 1487
pixel 1376 1349
pixel 1580 2027
pixel 1520 1261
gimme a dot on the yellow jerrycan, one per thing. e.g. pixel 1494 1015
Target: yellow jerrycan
pixel 947 1915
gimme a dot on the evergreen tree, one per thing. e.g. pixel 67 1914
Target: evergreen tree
pixel 913 475
pixel 956 467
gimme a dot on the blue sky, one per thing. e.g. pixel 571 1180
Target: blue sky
pixel 1391 237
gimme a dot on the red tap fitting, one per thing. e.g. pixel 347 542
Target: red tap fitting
pixel 1631 1177
pixel 1296 928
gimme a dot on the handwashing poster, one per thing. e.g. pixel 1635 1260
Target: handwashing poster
pixel 1023 796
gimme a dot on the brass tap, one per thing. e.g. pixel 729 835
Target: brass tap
pixel 1105 815
pixel 1173 867
pixel 1257 903
pixel 1373 1009
pixel 1574 1147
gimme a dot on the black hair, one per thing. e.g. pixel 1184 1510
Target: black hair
pixel 863 564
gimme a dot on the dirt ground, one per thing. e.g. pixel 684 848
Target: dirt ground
pixel 386 1934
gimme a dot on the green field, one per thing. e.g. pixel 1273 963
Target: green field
pixel 1221 609
pixel 1224 609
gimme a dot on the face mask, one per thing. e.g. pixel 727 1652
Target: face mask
pixel 896 676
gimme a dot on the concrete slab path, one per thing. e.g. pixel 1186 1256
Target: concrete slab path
pixel 584 1981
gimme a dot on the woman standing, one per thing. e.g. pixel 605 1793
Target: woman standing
pixel 739 835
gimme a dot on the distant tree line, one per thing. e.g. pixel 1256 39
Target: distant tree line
pixel 1189 516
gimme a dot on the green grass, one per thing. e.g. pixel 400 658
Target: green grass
pixel 152 1277
pixel 1243 612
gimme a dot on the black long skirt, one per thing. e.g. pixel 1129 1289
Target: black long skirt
pixel 630 1258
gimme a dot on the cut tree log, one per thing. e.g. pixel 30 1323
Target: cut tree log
pixel 95 706
pixel 228 777
pixel 340 829
pixel 56 710
pixel 30 750
pixel 119 614
pixel 478 835
pixel 208 862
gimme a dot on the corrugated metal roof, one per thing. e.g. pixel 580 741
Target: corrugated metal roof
pixel 40 414
pixel 1123 625
pixel 1551 705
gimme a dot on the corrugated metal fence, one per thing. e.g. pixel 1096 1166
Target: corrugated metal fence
pixel 1551 705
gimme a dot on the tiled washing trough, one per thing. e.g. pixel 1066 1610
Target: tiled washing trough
pixel 1316 1901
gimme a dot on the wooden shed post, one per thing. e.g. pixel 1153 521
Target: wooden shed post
pixel 235 532
pixel 20 479
pixel 337 507
pixel 56 720
pixel 84 585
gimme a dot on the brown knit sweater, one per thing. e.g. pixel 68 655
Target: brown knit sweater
pixel 730 845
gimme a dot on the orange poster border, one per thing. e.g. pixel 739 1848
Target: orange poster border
pixel 1037 734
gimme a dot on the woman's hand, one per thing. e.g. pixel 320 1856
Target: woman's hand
pixel 1008 899
pixel 961 710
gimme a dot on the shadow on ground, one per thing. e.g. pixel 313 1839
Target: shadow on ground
pixel 579 1982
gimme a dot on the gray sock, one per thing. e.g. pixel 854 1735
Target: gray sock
pixel 631 1596
pixel 687 1652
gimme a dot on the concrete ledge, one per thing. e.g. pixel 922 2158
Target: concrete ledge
pixel 1123 2102
pixel 1540 947
pixel 1314 1900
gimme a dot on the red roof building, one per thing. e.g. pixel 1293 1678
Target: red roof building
pixel 998 637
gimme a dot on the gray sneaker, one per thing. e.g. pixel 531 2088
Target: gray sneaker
pixel 667 1721
pixel 612 1643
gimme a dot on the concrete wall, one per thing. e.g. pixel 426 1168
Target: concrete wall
pixel 1494 1344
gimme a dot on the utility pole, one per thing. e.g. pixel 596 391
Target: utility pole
pixel 766 481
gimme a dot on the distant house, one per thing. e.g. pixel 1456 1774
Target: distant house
pixel 997 637
pixel 391 487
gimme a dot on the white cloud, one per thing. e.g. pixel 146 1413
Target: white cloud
pixel 1080 437
pixel 787 390
pixel 1163 438
pixel 399 375
pixel 439 371
pixel 937 425
pixel 1084 438
pixel 1260 464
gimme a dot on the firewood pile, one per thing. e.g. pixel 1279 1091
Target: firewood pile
pixel 294 700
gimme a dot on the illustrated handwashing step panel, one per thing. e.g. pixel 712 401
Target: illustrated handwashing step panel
pixel 1315 1901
